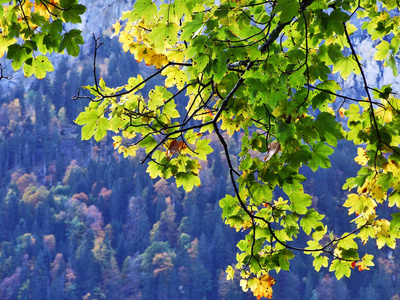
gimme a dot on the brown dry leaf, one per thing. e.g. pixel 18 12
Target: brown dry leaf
pixel 273 148
pixel 175 147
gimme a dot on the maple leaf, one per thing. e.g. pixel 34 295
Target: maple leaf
pixel 261 287
pixel 187 180
pixel 116 28
pixel 230 273
pixel 41 9
pixel 175 76
pixel 361 157
pixel 38 66
pixel 158 60
pixel 219 61
pixel 175 147
pixel 365 262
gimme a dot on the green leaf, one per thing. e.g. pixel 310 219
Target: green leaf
pixel 320 156
pixel 320 261
pixel 4 43
pixel 149 143
pixel 287 8
pixel 18 55
pixel 191 136
pixel 229 206
pixel 67 3
pixel 311 220
pixel 201 61
pixel 395 222
pixel 187 180
pixel 190 27
pixel 72 14
pixel 346 65
pixel 54 29
pixel 153 169
pixel 260 193
pixel 284 257
pixel 102 127
pixel 203 148
pixel 156 98
pixel 38 66
pixel 348 242
pixel 86 117
pixel 299 157
pixel 328 128
pixel 341 268
pixel 383 50
pixel 284 131
pixel 95 124
pixel 170 110
pixel 88 130
pixel 300 202
pixel 146 9
pixel 336 20
pixel 391 63
pixel 71 40
pixel 164 34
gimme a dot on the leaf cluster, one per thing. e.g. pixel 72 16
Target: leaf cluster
pixel 29 28
pixel 271 73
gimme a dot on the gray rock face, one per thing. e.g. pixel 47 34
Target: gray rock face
pixel 100 15
pixel 376 74
pixel 98 19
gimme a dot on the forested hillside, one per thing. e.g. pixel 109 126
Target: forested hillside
pixel 259 95
pixel 78 221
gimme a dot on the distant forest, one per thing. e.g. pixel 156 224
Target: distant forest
pixel 78 221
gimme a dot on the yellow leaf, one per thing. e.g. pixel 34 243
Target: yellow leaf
pixel 157 60
pixel 175 76
pixel 391 166
pixel 388 116
pixel 138 30
pixel 128 151
pixel 342 111
pixel 116 29
pixel 360 204
pixel 126 40
pixel 383 236
pixel 41 9
pixel 378 193
pixel 4 43
pixel 117 141
pixel 230 273
pixel 244 285
pixel 366 233
pixel 365 263
pixel 176 55
pixel 26 7
pixel 362 157
pixel 149 55
pixel 262 287
pixel 385 113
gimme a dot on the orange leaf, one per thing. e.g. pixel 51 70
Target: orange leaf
pixel 341 112
pixel 262 287
pixel 175 147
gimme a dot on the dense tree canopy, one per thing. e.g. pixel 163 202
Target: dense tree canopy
pixel 272 74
